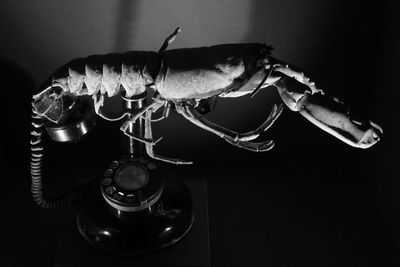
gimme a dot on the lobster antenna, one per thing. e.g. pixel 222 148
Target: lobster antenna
pixel 41 93
pixel 169 40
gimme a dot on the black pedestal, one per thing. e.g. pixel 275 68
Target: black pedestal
pixel 157 222
pixel 192 250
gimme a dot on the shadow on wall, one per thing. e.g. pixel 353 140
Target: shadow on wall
pixel 335 41
pixel 16 89
pixel 126 15
pixel 124 32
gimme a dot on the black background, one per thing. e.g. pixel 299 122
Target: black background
pixel 312 200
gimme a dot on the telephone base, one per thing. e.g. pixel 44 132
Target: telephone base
pixel 162 225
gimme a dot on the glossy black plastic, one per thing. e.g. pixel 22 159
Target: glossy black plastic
pixel 161 225
pixel 133 209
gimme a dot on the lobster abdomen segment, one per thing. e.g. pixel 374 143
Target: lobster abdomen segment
pixel 208 71
pixel 106 73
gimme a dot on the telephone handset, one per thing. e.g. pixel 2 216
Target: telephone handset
pixel 66 119
pixel 76 122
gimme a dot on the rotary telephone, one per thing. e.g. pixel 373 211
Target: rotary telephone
pixel 130 209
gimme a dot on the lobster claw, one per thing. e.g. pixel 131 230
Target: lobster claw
pixel 328 113
pixel 333 116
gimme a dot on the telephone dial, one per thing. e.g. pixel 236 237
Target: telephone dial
pixel 131 208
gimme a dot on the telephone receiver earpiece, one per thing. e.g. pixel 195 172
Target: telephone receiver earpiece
pixel 76 121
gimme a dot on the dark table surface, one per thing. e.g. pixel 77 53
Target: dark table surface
pixel 267 215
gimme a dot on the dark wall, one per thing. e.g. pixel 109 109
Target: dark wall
pixel 349 49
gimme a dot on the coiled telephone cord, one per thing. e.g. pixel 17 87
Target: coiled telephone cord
pixel 36 169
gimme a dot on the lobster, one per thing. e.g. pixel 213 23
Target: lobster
pixel 188 80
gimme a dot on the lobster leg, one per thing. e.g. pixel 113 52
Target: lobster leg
pixel 191 115
pixel 149 147
pixel 273 116
pixel 155 104
pixel 143 140
pixel 165 113
pixel 251 135
pixel 328 113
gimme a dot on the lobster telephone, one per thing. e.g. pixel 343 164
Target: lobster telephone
pixel 132 208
